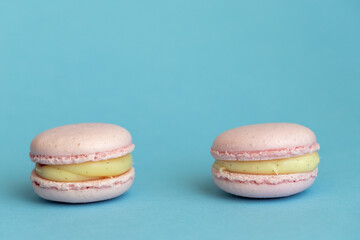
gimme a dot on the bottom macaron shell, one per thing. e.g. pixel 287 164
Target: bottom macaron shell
pixel 82 192
pixel 263 186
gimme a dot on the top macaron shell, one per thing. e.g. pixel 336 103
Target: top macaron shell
pixel 79 143
pixel 264 142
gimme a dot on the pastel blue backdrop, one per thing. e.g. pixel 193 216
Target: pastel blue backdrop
pixel 176 74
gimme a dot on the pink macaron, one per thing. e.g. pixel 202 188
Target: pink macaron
pixel 82 163
pixel 265 160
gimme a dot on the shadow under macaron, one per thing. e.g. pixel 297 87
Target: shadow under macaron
pixel 23 191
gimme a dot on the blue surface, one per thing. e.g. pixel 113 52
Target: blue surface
pixel 177 74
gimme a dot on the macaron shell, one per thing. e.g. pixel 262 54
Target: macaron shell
pixel 82 192
pixel 264 142
pixel 80 142
pixel 263 186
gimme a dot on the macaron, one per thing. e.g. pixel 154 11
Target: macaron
pixel 82 163
pixel 265 160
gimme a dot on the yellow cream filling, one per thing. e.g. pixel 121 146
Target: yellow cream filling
pixel 85 171
pixel 300 164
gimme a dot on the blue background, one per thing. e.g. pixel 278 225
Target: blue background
pixel 176 74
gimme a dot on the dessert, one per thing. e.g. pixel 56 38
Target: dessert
pixel 265 160
pixel 81 163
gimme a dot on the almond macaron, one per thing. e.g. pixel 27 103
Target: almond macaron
pixel 81 163
pixel 265 160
